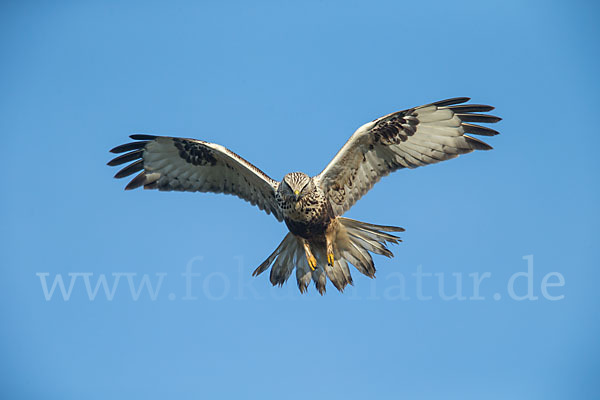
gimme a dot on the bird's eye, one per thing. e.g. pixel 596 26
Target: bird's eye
pixel 305 187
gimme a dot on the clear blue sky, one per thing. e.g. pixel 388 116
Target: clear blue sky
pixel 285 84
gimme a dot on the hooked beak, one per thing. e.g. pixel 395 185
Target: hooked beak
pixel 297 193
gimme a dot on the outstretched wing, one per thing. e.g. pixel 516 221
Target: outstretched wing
pixel 404 139
pixel 190 165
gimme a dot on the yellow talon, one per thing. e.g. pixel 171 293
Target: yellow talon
pixel 312 262
pixel 330 259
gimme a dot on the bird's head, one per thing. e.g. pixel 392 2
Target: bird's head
pixel 295 185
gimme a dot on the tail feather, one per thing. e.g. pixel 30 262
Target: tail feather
pixel 303 274
pixel 346 271
pixel 303 271
pixel 373 246
pixel 335 276
pixel 361 259
pixel 379 229
pixel 374 232
pixel 339 274
pixel 353 243
pixel 282 268
pixel 285 244
pixel 320 279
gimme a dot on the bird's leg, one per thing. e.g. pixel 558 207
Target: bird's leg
pixel 330 257
pixel 312 261
pixel 329 239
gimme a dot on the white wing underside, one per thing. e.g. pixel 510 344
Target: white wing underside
pixel 190 165
pixel 406 139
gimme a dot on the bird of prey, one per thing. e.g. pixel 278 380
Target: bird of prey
pixel 320 242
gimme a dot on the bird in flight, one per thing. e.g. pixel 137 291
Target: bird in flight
pixel 320 242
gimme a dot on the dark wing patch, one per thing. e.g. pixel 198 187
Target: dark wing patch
pixel 195 153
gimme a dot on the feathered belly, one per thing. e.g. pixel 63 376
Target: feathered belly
pixel 310 223
pixel 312 230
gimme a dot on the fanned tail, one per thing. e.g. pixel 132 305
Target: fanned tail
pixel 353 243
pixel 356 240
pixel 287 256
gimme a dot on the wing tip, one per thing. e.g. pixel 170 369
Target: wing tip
pixel 130 169
pixel 479 130
pixel 136 182
pixel 142 136
pixel 477 144
pixel 451 101
pixel 142 140
pixel 124 158
pixel 129 146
